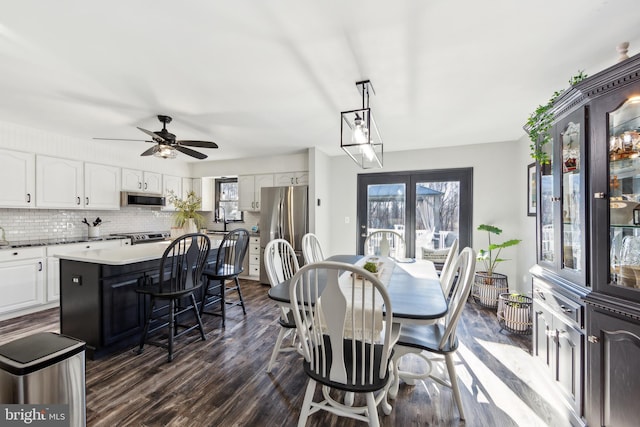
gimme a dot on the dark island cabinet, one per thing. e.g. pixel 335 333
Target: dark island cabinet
pixel 586 282
pixel 99 304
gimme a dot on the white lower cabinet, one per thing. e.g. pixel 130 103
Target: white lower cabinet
pixel 53 263
pixel 22 278
pixel 254 258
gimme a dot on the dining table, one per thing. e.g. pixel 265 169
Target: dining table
pixel 413 287
pixel 414 290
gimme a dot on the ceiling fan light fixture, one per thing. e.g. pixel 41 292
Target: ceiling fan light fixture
pixel 359 135
pixel 165 152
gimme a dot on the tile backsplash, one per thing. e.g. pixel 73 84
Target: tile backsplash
pixel 29 224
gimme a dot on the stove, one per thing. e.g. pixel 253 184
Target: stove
pixel 146 236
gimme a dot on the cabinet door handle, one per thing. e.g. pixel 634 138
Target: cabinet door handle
pixel 88 246
pixel 28 197
pixel 86 201
pixel 145 185
pixel 79 200
pixel 565 309
pixel 593 339
pixel 292 180
pixel 257 205
pixel 39 265
pixel 139 185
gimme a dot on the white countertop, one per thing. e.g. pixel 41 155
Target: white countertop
pixel 125 254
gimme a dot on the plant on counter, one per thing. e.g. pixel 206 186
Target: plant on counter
pixel 491 256
pixel 540 121
pixel 187 209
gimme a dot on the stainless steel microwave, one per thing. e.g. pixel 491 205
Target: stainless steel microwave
pixel 141 199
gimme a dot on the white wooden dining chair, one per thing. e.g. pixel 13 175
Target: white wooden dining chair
pixel 446 277
pixel 338 305
pixel 385 243
pixel 440 337
pixel 281 264
pixel 311 249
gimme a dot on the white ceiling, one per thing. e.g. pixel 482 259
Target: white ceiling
pixel 271 77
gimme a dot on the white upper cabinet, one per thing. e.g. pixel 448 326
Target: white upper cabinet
pixel 187 186
pixel 140 181
pixel 291 178
pixel 152 183
pixel 59 183
pixel 18 173
pixel 249 187
pixel 203 187
pixel 131 180
pixel 101 186
pixel 171 183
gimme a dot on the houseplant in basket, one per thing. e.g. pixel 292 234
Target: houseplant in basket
pixel 488 284
pixel 186 216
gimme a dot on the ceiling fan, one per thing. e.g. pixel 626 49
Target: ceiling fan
pixel 167 145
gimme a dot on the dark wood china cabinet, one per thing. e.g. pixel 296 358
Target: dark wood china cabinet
pixel 586 284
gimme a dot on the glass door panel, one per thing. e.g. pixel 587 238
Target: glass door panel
pixel 386 207
pixel 571 197
pixel 624 189
pixel 437 217
pixel 547 210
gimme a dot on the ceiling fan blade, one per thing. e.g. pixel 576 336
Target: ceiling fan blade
pixel 153 135
pixel 190 152
pixel 121 139
pixel 202 144
pixel 150 151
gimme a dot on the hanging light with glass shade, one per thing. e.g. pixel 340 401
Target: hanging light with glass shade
pixel 165 151
pixel 359 135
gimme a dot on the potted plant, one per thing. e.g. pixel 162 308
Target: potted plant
pixel 186 215
pixel 514 313
pixel 539 123
pixel 488 284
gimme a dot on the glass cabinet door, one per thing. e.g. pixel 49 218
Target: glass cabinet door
pixel 562 187
pixel 624 194
pixel 570 135
pixel 547 207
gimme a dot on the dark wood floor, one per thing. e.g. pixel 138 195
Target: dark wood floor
pixel 222 381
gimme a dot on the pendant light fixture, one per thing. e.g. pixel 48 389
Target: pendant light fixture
pixel 359 135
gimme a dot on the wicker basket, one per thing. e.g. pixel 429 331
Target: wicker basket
pixel 514 313
pixel 487 289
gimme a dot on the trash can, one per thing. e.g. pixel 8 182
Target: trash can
pixel 44 369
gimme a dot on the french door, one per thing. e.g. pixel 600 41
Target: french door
pixel 429 208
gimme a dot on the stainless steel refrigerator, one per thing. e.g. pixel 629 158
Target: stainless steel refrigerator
pixel 284 215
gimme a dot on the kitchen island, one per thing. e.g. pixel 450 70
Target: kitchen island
pixel 98 302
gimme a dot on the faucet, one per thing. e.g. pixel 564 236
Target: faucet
pixel 222 217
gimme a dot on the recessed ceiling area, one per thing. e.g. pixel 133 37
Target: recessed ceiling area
pixel 265 78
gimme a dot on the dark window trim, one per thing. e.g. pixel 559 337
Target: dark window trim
pixel 410 178
pixel 217 183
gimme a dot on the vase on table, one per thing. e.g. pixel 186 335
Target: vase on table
pixel 190 226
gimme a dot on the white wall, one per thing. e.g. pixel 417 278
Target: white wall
pixel 499 197
pixel 319 189
pixel 251 166
pixel 20 138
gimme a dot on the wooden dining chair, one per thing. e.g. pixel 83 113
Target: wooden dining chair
pixel 440 337
pixel 228 266
pixel 385 243
pixel 281 264
pixel 311 249
pixel 180 276
pixel 447 277
pixel 338 310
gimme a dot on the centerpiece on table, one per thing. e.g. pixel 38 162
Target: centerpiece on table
pixel 186 218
